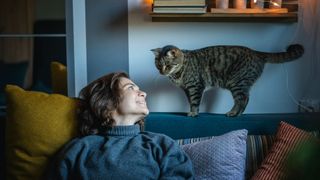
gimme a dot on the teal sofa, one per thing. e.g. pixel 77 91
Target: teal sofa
pixel 261 130
pixel 179 126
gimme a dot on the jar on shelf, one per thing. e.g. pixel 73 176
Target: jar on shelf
pixel 222 4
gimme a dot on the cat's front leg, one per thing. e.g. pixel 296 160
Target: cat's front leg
pixel 194 96
pixel 194 111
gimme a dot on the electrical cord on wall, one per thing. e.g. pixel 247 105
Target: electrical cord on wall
pixel 308 34
pixel 299 104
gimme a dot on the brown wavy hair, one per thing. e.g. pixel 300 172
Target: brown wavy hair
pixel 97 100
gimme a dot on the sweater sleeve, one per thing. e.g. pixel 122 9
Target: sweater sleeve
pixel 174 163
pixel 58 172
pixel 61 166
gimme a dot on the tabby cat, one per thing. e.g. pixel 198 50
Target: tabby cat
pixel 235 68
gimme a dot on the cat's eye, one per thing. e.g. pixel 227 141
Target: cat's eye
pixel 168 66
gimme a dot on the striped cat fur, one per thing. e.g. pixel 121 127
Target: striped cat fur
pixel 235 68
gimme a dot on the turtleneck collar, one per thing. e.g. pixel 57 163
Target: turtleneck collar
pixel 123 130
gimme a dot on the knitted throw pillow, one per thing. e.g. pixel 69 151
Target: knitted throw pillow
pixel 59 78
pixel 37 126
pixel 221 157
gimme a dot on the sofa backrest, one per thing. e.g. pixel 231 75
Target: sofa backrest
pixel 179 126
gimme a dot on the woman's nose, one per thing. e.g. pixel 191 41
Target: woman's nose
pixel 142 93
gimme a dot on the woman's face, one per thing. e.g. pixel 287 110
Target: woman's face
pixel 132 106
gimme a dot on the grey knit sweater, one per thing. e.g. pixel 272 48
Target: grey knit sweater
pixel 125 153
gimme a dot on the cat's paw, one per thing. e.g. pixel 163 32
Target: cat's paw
pixel 192 114
pixel 233 114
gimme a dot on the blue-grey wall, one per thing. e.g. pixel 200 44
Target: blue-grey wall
pixel 120 36
pixel 274 92
pixel 107 37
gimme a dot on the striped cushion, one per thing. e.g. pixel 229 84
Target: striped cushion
pixel 287 140
pixel 258 146
pixel 192 140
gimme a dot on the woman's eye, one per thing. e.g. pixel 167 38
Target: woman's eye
pixel 131 88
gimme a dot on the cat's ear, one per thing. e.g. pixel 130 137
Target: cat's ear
pixel 156 51
pixel 175 52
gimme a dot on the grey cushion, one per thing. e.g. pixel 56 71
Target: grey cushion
pixel 222 157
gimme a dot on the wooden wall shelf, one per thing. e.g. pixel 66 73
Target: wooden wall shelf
pixel 290 17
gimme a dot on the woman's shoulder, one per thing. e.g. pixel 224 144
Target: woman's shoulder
pixel 161 142
pixel 86 139
pixel 78 143
pixel 154 134
pixel 158 137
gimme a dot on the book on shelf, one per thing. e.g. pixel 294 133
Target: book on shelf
pixel 179 2
pixel 180 9
pixel 249 10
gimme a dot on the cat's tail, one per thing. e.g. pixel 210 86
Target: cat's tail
pixel 294 51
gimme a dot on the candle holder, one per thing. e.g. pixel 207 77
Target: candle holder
pixel 240 4
pixel 275 4
pixel 260 4
pixel 222 4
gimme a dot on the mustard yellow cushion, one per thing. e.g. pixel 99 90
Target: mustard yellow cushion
pixel 37 126
pixel 59 78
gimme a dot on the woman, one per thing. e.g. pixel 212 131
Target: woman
pixel 111 145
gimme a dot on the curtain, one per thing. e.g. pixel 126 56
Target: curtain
pixel 17 17
pixel 308 34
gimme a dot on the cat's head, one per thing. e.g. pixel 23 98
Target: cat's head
pixel 168 59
